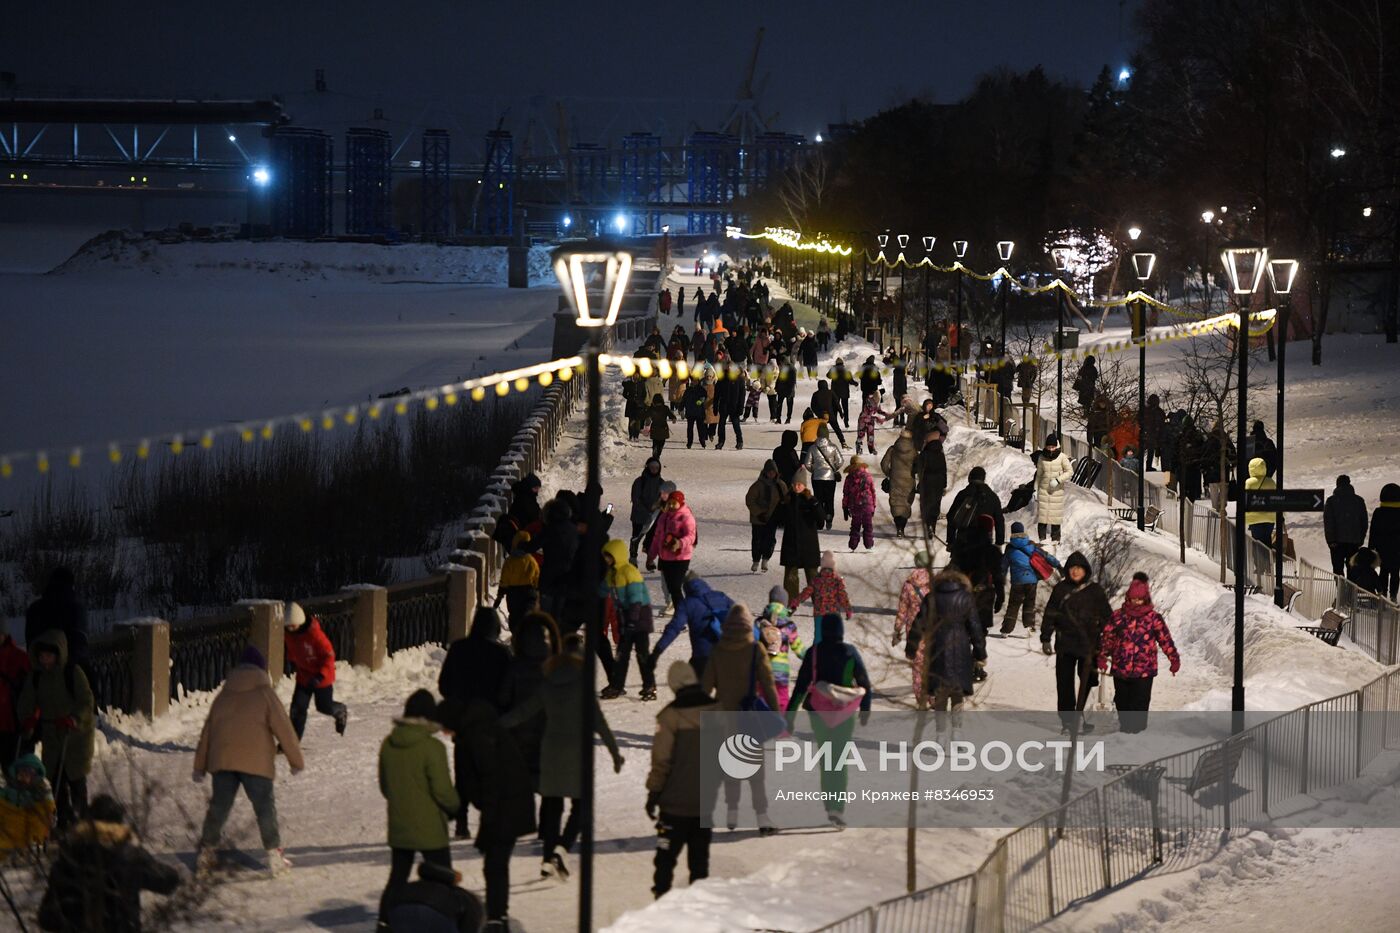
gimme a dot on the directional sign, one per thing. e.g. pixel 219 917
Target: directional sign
pixel 1285 500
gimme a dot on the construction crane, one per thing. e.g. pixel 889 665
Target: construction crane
pixel 745 121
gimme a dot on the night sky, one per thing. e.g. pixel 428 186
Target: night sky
pixel 619 67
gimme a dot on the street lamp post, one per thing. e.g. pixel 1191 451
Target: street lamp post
pixel 904 264
pixel 1143 264
pixel 928 249
pixel 1004 250
pixel 1061 256
pixel 959 251
pixel 1281 275
pixel 1244 264
pixel 614 268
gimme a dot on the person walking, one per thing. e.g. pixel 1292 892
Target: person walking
pixel 908 614
pixel 1052 471
pixel 623 584
pixel 701 615
pixel 931 469
pixel 899 483
pixel 803 518
pixel 245 730
pixel 763 499
pixel 824 407
pixel 738 670
pixel 658 418
pixel 858 503
pixel 493 776
pixel 952 649
pixel 312 655
pixel 1075 618
pixel 474 669
pixel 56 699
pixel 98 875
pixel 674 790
pixel 974 500
pixel 673 545
pixel 870 416
pixel 519 583
pixel 1385 538
pixel 824 461
pixel 561 776
pixel 840 379
pixel 646 502
pixel 980 561
pixel 786 456
pixel 14 670
pixel 1259 523
pixel 1154 432
pixel 59 609
pixel 1344 523
pixel 418 790
pixel 1364 570
pixel 1186 463
pixel 1130 642
pixel 730 394
pixel 827 591
pixel 696 403
pixel 787 386
pixel 1017 565
pixel 831 685
pixel 1086 385
pixel 870 380
pixel 778 635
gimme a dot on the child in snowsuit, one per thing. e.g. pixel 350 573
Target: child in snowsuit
pixel 520 581
pixel 1016 563
pixel 778 635
pixel 1130 642
pixel 26 806
pixel 827 590
pixel 858 502
pixel 632 603
pixel 870 415
pixel 313 656
pixel 751 400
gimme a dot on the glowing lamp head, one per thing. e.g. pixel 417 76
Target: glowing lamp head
pixel 1134 232
pixel 1004 249
pixel 959 248
pixel 1244 264
pixel 232 138
pixel 575 270
pixel 903 240
pixel 882 239
pixel 1282 272
pixel 819 137
pixel 1143 264
pixel 665 228
pixel 1337 152
pixel 1365 211
pixel 1060 253
pixel 1207 216
pixel 620 222
pixel 567 221
pixel 261 176
pixel 928 243
pixel 1125 74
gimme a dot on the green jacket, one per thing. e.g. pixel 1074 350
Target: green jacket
pixel 413 777
pixel 60 696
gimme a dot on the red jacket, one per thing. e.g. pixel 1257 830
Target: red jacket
pixel 14 667
pixel 312 654
pixel 1131 640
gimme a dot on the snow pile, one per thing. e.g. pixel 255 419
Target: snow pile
pixel 304 261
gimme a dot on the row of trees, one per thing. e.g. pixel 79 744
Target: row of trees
pixel 1237 104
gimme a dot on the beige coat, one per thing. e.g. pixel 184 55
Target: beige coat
pixel 728 670
pixel 245 725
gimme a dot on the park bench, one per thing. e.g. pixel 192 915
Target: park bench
pixel 1330 629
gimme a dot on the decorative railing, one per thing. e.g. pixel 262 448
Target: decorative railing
pixel 417 614
pixel 202 650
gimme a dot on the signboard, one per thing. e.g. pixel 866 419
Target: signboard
pixel 1285 500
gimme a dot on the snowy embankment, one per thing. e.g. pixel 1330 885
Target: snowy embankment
pixel 333 818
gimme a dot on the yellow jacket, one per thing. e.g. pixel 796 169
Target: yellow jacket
pixel 1258 479
pixel 809 429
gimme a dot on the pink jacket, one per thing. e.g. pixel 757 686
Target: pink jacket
pixel 1130 641
pixel 674 538
pixel 858 494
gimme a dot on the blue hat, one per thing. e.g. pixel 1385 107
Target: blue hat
pixel 253 656
pixel 1017 528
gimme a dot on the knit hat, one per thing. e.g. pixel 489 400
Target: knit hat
pixel 293 616
pixel 977 475
pixel 1052 440
pixel 922 559
pixel 680 675
pixel 1139 589
pixel 987 523
pixel 1017 528
pixel 803 476
pixel 828 560
pixel 738 621
pixel 778 594
pixel 420 705
pixel 252 657
pixel 677 497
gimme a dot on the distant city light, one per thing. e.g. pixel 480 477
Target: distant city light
pixel 620 222
pixel 1124 74
pixel 1338 152
pixel 1365 211
pixel 232 138
pixel 819 137
pixel 568 221
pixel 261 176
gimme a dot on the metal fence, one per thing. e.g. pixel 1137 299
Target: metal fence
pixel 1155 817
pixel 110 667
pixel 337 617
pixel 417 614
pixel 203 649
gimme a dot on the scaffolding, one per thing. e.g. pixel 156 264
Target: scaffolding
pixel 301 193
pixel 367 182
pixel 435 206
pixel 496 202
pixel 712 162
pixel 640 173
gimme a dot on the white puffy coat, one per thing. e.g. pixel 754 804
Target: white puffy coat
pixel 1052 475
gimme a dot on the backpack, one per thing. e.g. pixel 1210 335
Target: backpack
pixel 965 514
pixel 1041 564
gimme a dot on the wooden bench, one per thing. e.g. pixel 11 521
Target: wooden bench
pixel 1215 766
pixel 1151 516
pixel 1330 627
pixel 1290 597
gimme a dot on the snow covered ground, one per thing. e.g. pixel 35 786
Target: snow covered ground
pixel 131 338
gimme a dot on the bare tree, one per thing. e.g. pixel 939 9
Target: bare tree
pixel 803 188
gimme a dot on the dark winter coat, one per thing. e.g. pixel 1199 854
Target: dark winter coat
pixel 979 560
pixel 1190 446
pixel 931 469
pixel 525 502
pixel 96 881
pixel 561 772
pixel 1076 613
pixel 675 754
pixel 59 609
pixel 62 700
pixel 951 632
pixel 1363 569
pixel 1385 527
pixel 1259 445
pixel 976 498
pixel 646 492
pixel 493 774
pixel 523 679
pixel 729 396
pixel 823 400
pixel 803 517
pixel 1344 518
pixel 840 378
pixel 1086 383
pixel 765 495
pixel 787 379
pixel 1154 423
pixel 660 417
pixel 827 660
pixel 786 458
pixel 475 666
pixel 1210 456
pixel 559 541
pixel 695 614
pixel 870 379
